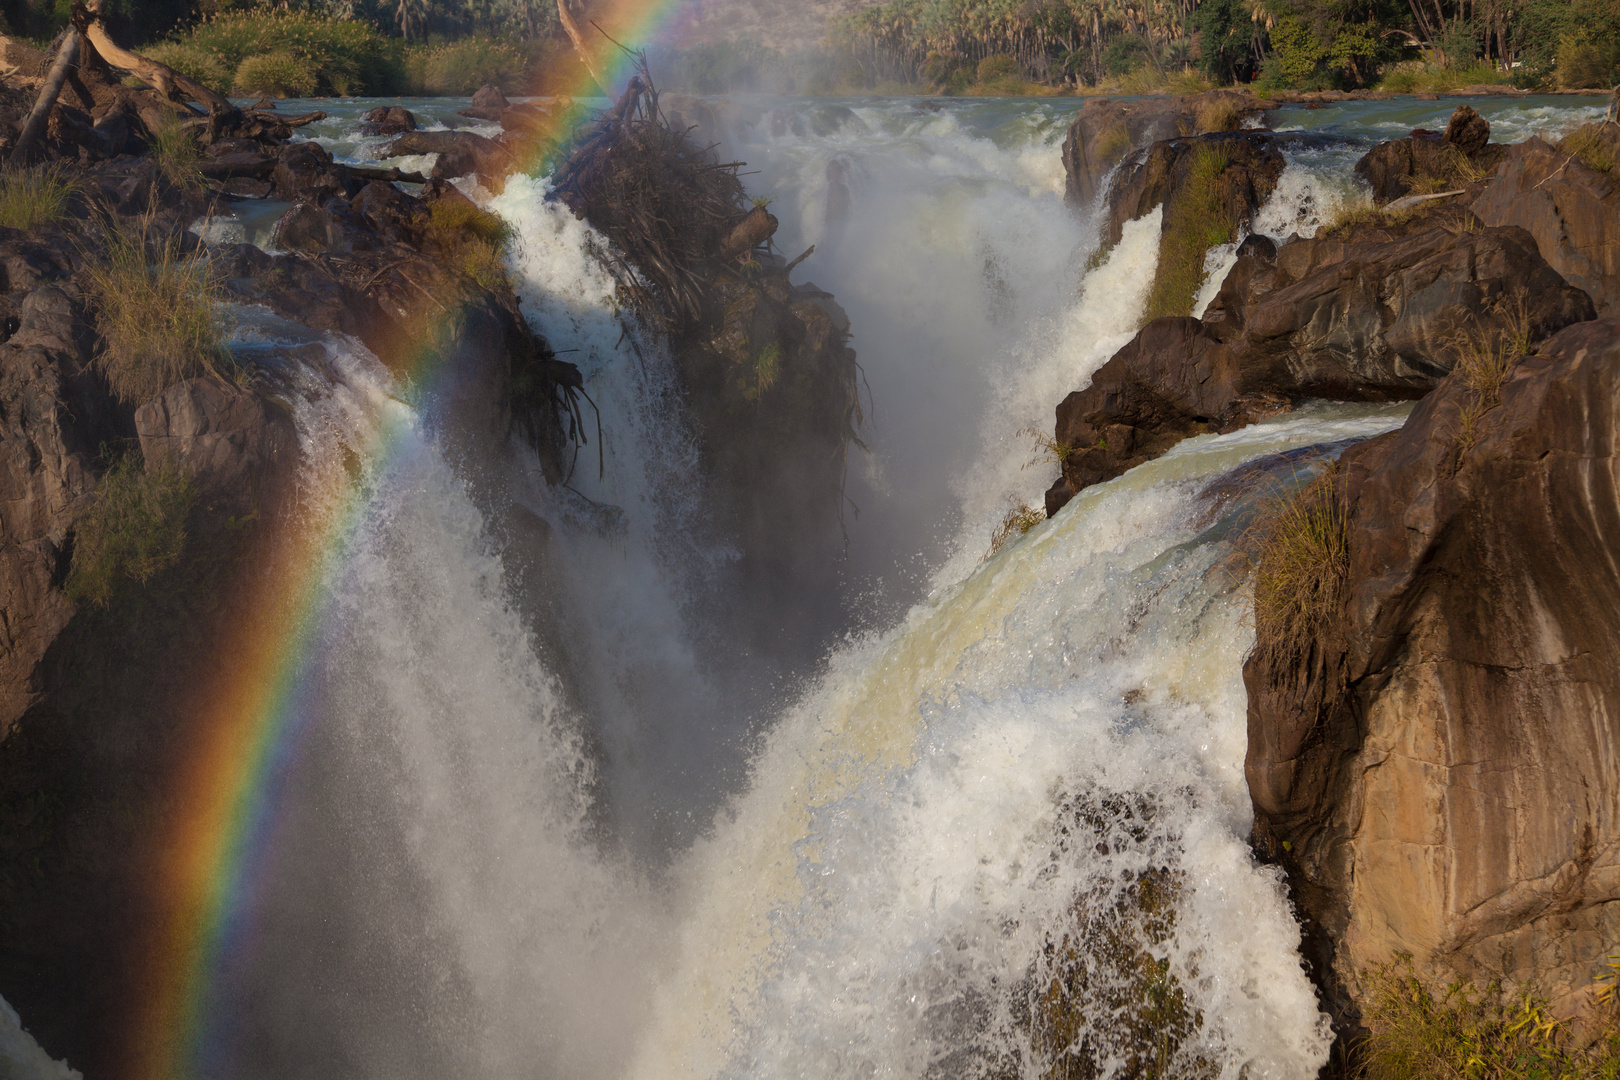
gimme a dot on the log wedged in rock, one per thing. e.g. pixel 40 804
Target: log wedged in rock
pixel 1437 773
pixel 1367 314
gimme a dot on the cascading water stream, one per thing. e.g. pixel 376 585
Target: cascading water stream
pixel 1013 795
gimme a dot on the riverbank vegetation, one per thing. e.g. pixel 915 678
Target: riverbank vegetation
pixel 969 47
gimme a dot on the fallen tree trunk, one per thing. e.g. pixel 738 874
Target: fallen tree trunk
pixel 577 36
pixel 169 82
pixel 48 92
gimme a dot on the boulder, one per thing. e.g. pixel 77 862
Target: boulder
pixel 1367 315
pixel 1106 130
pixel 238 446
pixel 332 228
pixel 488 104
pixel 387 120
pixel 1253 164
pixel 1436 767
pixel 1456 158
pixel 1571 208
pixel 304 172
pixel 461 153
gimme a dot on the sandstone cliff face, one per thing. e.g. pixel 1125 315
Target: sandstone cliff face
pixel 1363 315
pixel 1441 775
pixel 1571 208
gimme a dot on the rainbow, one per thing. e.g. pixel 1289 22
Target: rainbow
pixel 242 731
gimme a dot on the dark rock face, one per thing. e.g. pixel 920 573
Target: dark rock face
pixel 1572 210
pixel 1455 158
pixel 1441 765
pixel 231 441
pixel 488 104
pixel 1253 164
pixel 304 173
pixel 1106 130
pixel 1364 316
pixel 51 425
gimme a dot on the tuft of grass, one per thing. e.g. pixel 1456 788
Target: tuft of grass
pixel 1048 449
pixel 1113 142
pixel 1217 115
pixel 1484 352
pixel 178 157
pixel 472 241
pixel 1594 151
pixel 1468 1031
pixel 154 309
pixel 1299 547
pixel 276 74
pixel 1020 518
pixel 1195 220
pixel 34 196
pixel 134 530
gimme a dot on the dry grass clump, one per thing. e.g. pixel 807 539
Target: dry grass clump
pixel 1300 550
pixel 34 196
pixel 472 239
pixel 134 530
pixel 1020 518
pixel 1113 142
pixel 1469 1032
pixel 1484 352
pixel 276 74
pixel 1047 448
pixel 176 153
pixel 1217 115
pixel 1195 220
pixel 154 308
pixel 1597 147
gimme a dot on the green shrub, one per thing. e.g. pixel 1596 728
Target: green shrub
pixel 279 74
pixel 995 67
pixel 1584 64
pixel 1195 220
pixel 154 308
pixel 461 67
pixel 35 196
pixel 134 530
pixel 346 56
pixel 1469 1032
pixel 206 67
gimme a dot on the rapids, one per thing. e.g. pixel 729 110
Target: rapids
pixel 542 821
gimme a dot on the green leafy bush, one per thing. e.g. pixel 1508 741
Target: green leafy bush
pixel 134 530
pixel 36 196
pixel 346 56
pixel 1585 64
pixel 154 308
pixel 278 74
pixel 462 67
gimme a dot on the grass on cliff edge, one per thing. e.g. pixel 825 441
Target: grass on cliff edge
pixel 1194 221
pixel 1466 1032
pixel 1299 547
pixel 154 309
pixel 135 530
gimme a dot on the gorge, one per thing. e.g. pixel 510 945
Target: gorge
pixel 548 690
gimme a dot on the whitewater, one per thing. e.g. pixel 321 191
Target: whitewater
pixel 544 822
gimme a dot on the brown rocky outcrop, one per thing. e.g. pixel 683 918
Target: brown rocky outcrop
pixel 1437 769
pixel 1367 314
pixel 1253 163
pixel 1106 130
pixel 461 153
pixel 1458 156
pixel 237 446
pixel 1571 207
pixel 387 120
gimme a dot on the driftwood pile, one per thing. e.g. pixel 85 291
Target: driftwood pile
pixel 675 212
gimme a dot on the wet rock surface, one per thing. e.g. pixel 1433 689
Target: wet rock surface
pixel 1455 158
pixel 1367 314
pixel 1436 773
pixel 1252 163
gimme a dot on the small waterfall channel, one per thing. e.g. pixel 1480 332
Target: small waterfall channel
pixel 541 822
